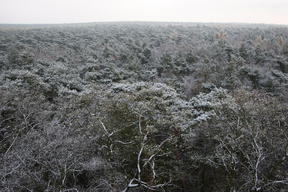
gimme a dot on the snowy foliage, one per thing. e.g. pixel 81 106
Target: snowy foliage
pixel 144 107
pixel 169 106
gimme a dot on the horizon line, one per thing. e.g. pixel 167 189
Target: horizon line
pixel 177 22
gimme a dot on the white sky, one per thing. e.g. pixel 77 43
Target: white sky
pixel 76 11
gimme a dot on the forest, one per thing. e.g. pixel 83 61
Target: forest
pixel 142 107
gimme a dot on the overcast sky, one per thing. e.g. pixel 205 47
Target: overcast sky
pixel 76 11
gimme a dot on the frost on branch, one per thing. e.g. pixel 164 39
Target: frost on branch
pixel 168 105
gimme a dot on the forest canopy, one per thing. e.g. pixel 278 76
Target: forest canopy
pixel 144 107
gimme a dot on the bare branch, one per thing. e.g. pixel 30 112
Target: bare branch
pixel 105 129
pixel 11 144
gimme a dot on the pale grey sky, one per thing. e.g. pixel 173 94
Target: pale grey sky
pixel 76 11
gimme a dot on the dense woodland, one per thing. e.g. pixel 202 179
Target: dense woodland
pixel 126 107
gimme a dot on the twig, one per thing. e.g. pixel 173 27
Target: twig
pixel 139 156
pixel 11 144
pixel 105 129
pixel 12 170
pixel 140 127
pixel 131 185
pixel 72 189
